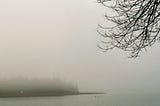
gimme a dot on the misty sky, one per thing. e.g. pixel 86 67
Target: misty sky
pixel 58 38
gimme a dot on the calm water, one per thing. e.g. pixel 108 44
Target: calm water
pixel 86 100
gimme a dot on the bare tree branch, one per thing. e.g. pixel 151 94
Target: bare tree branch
pixel 136 25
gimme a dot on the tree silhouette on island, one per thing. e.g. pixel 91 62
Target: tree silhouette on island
pixel 23 87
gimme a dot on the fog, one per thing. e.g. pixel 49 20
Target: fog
pixel 58 39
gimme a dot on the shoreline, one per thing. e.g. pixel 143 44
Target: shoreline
pixel 48 95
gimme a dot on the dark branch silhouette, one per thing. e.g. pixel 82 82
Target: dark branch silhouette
pixel 136 25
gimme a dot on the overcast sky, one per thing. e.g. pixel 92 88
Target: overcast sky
pixel 58 38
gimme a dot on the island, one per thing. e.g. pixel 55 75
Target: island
pixel 38 87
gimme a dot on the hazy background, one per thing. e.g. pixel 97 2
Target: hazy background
pixel 58 38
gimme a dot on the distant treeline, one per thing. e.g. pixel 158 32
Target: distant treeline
pixel 36 87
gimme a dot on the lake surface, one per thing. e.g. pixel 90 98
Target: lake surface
pixel 86 100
